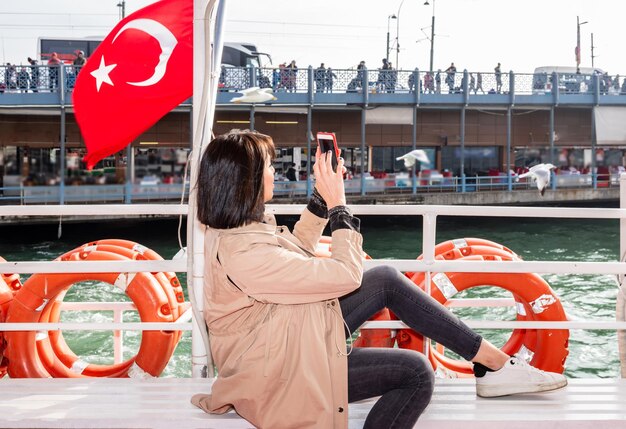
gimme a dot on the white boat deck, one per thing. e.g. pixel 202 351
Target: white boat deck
pixel 164 403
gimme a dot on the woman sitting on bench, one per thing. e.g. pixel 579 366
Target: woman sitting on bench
pixel 278 316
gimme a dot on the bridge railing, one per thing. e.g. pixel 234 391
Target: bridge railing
pixel 37 78
pixel 393 184
pixel 318 80
pixel 110 194
pixel 50 79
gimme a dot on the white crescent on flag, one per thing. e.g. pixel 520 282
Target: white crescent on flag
pixel 167 42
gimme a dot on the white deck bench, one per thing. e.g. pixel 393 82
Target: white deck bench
pixel 164 403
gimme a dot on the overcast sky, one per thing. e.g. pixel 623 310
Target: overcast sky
pixel 475 34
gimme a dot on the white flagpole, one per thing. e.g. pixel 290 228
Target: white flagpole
pixel 208 19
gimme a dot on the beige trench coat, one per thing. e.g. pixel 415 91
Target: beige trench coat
pixel 275 325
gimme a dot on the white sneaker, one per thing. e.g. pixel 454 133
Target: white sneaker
pixel 517 376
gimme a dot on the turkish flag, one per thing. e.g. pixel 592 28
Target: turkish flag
pixel 140 71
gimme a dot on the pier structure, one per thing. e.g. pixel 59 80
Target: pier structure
pixel 478 140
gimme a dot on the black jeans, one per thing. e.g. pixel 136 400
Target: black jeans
pixel 403 378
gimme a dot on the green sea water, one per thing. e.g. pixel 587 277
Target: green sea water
pixel 592 353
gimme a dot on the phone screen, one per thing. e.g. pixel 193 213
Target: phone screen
pixel 327 144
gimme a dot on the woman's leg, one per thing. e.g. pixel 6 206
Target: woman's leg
pixel 384 286
pixel 498 375
pixel 404 378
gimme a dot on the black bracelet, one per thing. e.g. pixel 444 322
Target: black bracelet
pixel 340 217
pixel 317 205
pixel 317 198
pixel 339 210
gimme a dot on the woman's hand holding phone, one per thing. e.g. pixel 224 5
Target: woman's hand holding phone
pixel 329 183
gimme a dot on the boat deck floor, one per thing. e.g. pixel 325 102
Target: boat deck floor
pixel 164 403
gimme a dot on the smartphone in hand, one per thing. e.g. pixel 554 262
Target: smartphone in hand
pixel 328 143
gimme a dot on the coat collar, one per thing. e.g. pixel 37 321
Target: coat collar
pixel 268 226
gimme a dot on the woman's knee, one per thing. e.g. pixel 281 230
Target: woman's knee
pixel 382 273
pixel 418 371
pixel 388 279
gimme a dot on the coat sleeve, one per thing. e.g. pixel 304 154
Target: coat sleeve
pixel 271 273
pixel 309 229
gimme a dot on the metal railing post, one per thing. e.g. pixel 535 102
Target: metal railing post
pixel 429 231
pixel 310 84
pixel 555 88
pixel 594 168
pixel 253 79
pixel 417 86
pixel 363 114
pixel 596 101
pixel 429 236
pixel 596 88
pixel 118 338
pixel 620 306
pixel 509 178
pixel 309 138
pixel 129 169
pixel 551 142
pixel 622 221
pixel 511 87
pixel 413 147
pixel 61 83
pixel 365 86
pixel 463 149
pixel 61 86
pixel 465 86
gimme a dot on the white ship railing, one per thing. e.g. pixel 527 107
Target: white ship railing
pixel 428 264
pixel 183 323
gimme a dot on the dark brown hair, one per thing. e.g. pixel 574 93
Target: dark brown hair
pixel 230 179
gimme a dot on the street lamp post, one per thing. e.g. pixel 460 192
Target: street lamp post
pixel 398 35
pixel 592 55
pixel 578 24
pixel 122 6
pixel 390 17
pixel 432 37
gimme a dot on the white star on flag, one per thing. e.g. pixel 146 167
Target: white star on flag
pixel 102 74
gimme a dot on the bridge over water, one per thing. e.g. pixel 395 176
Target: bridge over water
pixel 474 138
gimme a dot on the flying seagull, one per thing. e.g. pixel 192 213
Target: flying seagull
pixel 255 95
pixel 414 155
pixel 540 175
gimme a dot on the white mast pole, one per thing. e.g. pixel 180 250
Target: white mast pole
pixel 620 306
pixel 208 19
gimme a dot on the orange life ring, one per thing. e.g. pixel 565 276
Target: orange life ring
pixel 172 286
pixel 61 361
pixel 449 250
pixel 540 301
pixel 168 281
pixel 476 248
pixel 461 245
pixel 29 357
pixel 457 249
pixel 377 337
pixel 407 338
pixel 9 285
